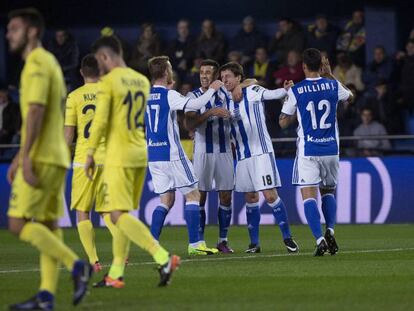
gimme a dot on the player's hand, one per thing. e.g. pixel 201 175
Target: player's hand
pixel 11 173
pixel 326 67
pixel 216 85
pixel 287 84
pixel 28 173
pixel 220 112
pixel 237 94
pixel 90 167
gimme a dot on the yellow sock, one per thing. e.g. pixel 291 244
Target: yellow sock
pixel 49 269
pixel 87 237
pixel 114 231
pixel 138 233
pixel 120 249
pixel 47 243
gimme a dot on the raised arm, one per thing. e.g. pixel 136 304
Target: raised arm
pixel 326 72
pixel 278 93
pixel 200 102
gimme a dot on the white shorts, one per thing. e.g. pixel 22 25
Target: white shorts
pixel 313 171
pixel 257 173
pixel 217 167
pixel 172 175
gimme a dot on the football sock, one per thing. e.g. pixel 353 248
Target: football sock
pixel 47 243
pixel 49 271
pixel 192 218
pixel 224 219
pixel 253 221
pixel 313 217
pixel 138 233
pixel 158 218
pixel 329 210
pixel 120 249
pixel 87 237
pixel 279 212
pixel 202 222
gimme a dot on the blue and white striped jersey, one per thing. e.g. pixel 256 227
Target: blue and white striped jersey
pixel 162 132
pixel 248 126
pixel 315 102
pixel 212 136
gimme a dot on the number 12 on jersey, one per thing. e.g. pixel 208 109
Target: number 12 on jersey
pixel 322 105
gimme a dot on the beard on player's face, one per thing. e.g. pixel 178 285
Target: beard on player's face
pixel 18 41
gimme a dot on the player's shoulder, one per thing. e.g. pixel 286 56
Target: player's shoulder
pixel 40 59
pixel 195 93
pixel 254 92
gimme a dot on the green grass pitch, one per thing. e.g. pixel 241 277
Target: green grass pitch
pixel 374 270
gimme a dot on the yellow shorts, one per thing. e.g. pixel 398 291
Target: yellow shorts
pixel 43 203
pixel 86 192
pixel 123 187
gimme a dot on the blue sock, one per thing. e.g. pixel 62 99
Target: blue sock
pixel 253 221
pixel 158 218
pixel 313 217
pixel 279 212
pixel 329 210
pixel 192 218
pixel 202 222
pixel 224 219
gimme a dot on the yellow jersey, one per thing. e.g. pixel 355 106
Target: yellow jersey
pixel 80 110
pixel 119 117
pixel 42 83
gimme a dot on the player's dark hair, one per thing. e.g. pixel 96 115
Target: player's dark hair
pixel 234 67
pixel 89 66
pixel 31 17
pixel 312 58
pixel 211 62
pixel 157 66
pixel 110 42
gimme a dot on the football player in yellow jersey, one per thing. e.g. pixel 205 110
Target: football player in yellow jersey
pixel 38 171
pixel 80 109
pixel 121 102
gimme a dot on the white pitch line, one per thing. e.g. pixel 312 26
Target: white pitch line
pixel 213 258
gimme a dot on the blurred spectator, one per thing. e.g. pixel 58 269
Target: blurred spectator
pixel 185 88
pixel 406 64
pixel 126 48
pixel 322 36
pixel 193 76
pixel 369 127
pixel 288 37
pixel 148 45
pixel 248 39
pixel 292 71
pixel 348 114
pixel 261 68
pixel 9 118
pixel 66 51
pixel 347 72
pixel 382 102
pixel 235 56
pixel 210 43
pixel 352 39
pixel 380 69
pixel 181 49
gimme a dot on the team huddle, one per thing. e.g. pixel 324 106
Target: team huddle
pixel 124 124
